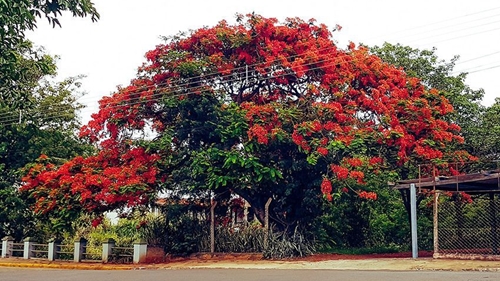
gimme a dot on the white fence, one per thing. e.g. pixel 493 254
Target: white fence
pixel 78 251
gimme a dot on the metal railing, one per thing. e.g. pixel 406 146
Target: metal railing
pixel 469 227
pixel 65 251
pixel 17 250
pixel 40 251
pixel 122 254
pixel 92 253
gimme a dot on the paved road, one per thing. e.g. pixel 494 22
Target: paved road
pixel 18 274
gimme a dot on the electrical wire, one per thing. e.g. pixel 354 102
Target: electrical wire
pixel 5 117
pixel 11 119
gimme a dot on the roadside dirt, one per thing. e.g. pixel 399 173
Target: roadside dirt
pixel 218 257
pixel 389 262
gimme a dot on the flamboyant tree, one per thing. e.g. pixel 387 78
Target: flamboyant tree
pixel 260 108
pixel 440 75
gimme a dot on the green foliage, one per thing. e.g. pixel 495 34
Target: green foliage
pixel 15 219
pixel 182 229
pixel 484 138
pixel 31 108
pixel 18 61
pixel 364 251
pixel 38 133
pixel 354 223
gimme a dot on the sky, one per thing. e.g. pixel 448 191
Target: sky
pixel 109 52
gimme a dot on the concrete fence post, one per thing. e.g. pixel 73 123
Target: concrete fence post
pixel 7 245
pixel 28 247
pixel 107 249
pixel 53 249
pixel 140 251
pixel 79 250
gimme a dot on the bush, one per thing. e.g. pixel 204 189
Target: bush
pixel 281 246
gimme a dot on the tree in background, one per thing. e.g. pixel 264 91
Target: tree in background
pixel 18 59
pixel 37 116
pixel 484 140
pixel 259 109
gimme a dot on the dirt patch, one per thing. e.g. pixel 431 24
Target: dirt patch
pixel 245 257
pixel 325 257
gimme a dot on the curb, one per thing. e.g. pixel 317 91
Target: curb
pixel 363 265
pixel 80 266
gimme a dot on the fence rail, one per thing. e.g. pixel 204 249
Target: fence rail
pixel 40 251
pixel 78 251
pixel 92 253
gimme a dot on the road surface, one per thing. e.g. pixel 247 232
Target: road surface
pixel 21 274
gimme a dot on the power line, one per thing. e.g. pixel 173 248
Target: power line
pixel 496 66
pixel 475 67
pixel 457 24
pixel 11 117
pixel 206 76
pixel 459 37
pixel 431 24
pixel 189 89
pixel 480 57
pixel 438 22
pixel 49 116
pixel 454 31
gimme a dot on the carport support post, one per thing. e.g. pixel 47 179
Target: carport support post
pixel 413 214
pixel 436 223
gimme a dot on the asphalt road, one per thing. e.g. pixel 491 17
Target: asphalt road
pixel 18 274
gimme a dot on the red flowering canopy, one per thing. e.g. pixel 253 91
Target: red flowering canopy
pixel 260 92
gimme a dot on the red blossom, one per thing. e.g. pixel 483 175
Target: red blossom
pixel 323 151
pixel 368 195
pixel 358 176
pixel 96 221
pixel 342 173
pixel 354 162
pixel 326 186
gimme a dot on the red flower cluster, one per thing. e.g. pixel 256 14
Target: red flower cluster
pixel 259 132
pixel 358 176
pixel 368 195
pixel 95 184
pixel 326 186
pixel 323 151
pixel 354 162
pixel 342 173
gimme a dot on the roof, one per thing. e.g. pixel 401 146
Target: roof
pixel 483 182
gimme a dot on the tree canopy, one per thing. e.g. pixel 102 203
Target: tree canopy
pixel 258 108
pixel 37 115
pixel 18 59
